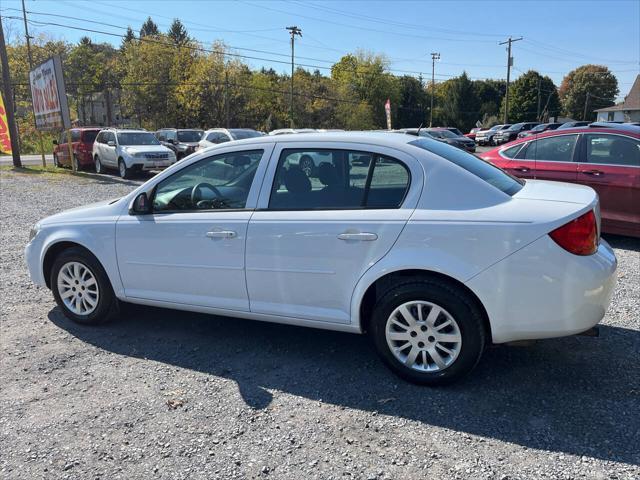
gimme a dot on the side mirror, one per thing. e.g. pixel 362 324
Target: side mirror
pixel 55 142
pixel 140 205
pixel 111 143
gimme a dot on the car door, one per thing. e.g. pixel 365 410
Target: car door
pixel 191 249
pixel 313 236
pixel 610 164
pixel 552 158
pixel 63 149
pixel 513 160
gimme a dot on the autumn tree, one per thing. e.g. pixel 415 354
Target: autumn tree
pixel 590 86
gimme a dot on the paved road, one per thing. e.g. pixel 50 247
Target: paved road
pixel 27 159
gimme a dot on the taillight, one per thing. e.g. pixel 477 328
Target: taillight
pixel 579 236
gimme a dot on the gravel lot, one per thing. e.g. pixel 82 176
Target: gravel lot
pixel 169 395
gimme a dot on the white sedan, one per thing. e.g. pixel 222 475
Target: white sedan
pixel 432 251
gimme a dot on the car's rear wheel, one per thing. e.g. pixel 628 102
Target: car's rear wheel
pixel 428 331
pixel 81 287
pixel 123 170
pixel 98 165
pixel 76 163
pixel 56 162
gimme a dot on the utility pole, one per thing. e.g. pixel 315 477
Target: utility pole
pixel 8 101
pixel 28 38
pixel 586 102
pixel 434 56
pixel 226 98
pixel 509 65
pixel 293 31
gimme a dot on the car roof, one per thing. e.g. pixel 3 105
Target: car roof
pixel 375 138
pixel 566 131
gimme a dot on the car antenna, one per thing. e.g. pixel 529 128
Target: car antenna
pixel 418 132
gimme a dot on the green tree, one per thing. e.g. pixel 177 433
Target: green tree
pixel 178 33
pixel 413 99
pixel 149 28
pixel 460 106
pixel 490 94
pixel 129 37
pixel 595 80
pixel 524 98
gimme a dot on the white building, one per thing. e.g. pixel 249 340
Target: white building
pixel 627 111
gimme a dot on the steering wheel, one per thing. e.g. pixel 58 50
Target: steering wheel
pixel 195 192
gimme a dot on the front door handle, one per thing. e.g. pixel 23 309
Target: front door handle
pixel 221 234
pixel 363 237
pixel 522 169
pixel 595 173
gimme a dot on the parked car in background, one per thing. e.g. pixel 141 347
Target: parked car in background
pixel 543 127
pixel 573 125
pixel 447 136
pixel 283 131
pixel 433 252
pixel 472 133
pixel 511 133
pixel 486 137
pixel 130 151
pixel 81 144
pixel 215 136
pixel 183 141
pixel 604 158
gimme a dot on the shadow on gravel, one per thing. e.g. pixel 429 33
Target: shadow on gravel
pixel 619 241
pixel 100 178
pixel 575 395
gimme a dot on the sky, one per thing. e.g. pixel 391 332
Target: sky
pixel 558 35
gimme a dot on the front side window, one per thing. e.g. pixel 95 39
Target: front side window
pixel 491 174
pixel 220 182
pixel 552 149
pixel 217 137
pixel 325 179
pixel 75 135
pixel 612 150
pixel 137 138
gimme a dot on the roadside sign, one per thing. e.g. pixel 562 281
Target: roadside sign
pixel 387 109
pixel 49 98
pixel 5 137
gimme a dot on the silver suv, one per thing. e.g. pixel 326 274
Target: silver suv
pixel 130 151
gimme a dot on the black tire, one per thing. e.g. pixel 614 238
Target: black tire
pixel 123 170
pixel 106 302
pixel 98 164
pixel 457 303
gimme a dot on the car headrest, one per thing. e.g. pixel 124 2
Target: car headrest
pixel 238 161
pixel 328 174
pixel 296 180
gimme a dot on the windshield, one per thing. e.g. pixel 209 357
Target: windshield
pixel 242 134
pixel 189 135
pixel 491 174
pixel 442 134
pixel 137 138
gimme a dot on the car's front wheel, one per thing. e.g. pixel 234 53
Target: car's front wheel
pixel 81 287
pixel 123 170
pixel 428 331
pixel 56 162
pixel 98 165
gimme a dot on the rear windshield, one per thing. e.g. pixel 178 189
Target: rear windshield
pixel 137 138
pixel 242 134
pixel 489 173
pixel 189 135
pixel 88 136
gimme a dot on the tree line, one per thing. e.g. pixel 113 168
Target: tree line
pixel 161 79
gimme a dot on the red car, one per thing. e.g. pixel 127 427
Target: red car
pixel 606 159
pixel 81 144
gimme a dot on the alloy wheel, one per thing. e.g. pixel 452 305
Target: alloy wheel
pixel 78 288
pixel 423 336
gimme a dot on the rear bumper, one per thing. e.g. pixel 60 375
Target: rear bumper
pixel 542 291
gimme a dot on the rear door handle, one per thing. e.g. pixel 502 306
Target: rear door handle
pixel 221 234
pixel 595 173
pixel 363 237
pixel 522 169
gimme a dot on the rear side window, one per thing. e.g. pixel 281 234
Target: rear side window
pixel 552 149
pixel 491 174
pixel 511 152
pixel 75 135
pixel 326 179
pixel 612 150
pixel 89 136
